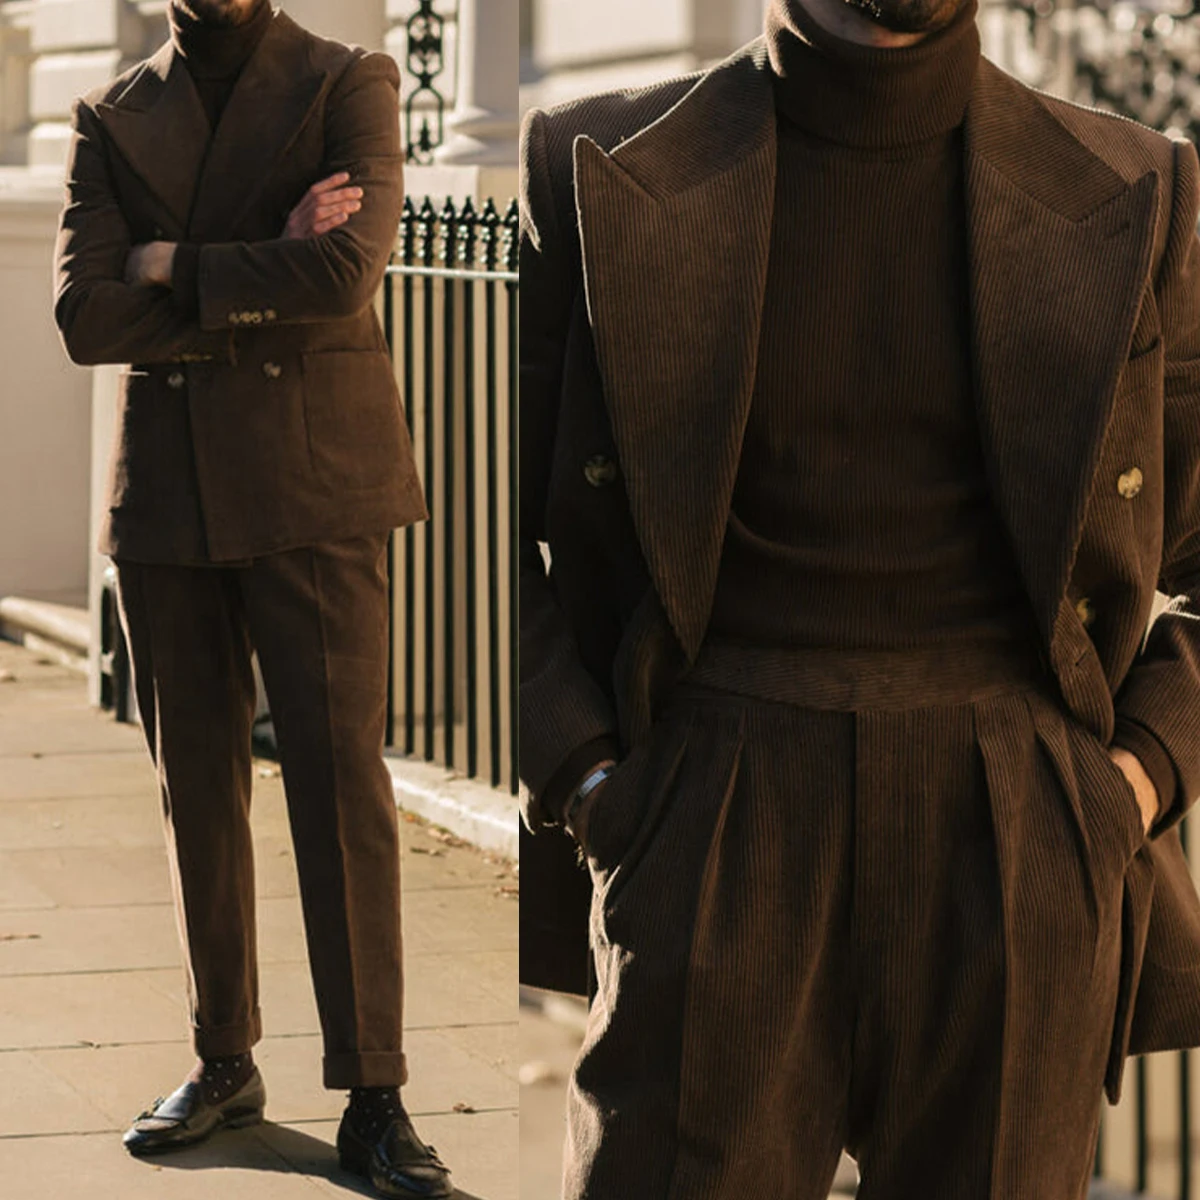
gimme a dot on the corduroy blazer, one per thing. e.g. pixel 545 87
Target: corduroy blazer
pixel 272 418
pixel 646 227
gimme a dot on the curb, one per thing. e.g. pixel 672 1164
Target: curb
pixel 60 632
pixel 482 815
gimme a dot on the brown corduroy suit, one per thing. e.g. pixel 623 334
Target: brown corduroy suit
pixel 647 230
pixel 261 457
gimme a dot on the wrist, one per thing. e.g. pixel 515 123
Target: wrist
pixel 585 789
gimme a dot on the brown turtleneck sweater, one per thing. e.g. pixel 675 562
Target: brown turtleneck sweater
pixel 862 516
pixel 215 56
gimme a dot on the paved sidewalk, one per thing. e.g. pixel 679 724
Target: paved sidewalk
pixel 92 1013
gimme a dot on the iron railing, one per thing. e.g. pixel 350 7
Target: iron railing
pixel 426 45
pixel 1140 60
pixel 450 313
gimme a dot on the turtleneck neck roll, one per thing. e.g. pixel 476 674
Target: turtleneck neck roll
pixel 871 97
pixel 217 51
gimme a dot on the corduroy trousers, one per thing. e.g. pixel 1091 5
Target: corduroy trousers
pixel 318 619
pixel 872 905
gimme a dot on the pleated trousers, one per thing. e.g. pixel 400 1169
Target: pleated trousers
pixel 318 619
pixel 867 903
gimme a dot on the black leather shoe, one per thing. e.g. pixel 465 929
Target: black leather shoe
pixel 399 1165
pixel 183 1118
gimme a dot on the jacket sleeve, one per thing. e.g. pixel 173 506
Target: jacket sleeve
pixel 100 317
pixel 567 722
pixel 1158 705
pixel 299 280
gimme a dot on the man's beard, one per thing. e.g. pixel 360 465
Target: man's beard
pixel 907 16
pixel 218 13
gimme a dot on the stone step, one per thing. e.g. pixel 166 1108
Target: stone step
pixel 61 632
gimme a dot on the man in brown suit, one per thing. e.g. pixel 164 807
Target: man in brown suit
pixel 860 414
pixel 231 207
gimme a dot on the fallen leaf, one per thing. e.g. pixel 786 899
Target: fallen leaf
pixel 7 676
pixel 509 893
pixel 464 1108
pixel 433 852
pixel 20 937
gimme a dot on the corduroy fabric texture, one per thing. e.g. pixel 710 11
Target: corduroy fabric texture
pixel 645 250
pixel 894 930
pixel 318 619
pixel 268 417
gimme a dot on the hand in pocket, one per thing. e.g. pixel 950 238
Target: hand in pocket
pixel 1140 782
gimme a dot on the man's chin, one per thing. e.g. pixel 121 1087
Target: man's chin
pixel 909 16
pixel 212 12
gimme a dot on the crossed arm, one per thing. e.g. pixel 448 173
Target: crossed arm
pixel 112 297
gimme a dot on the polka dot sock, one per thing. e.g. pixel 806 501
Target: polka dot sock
pixel 372 1110
pixel 220 1078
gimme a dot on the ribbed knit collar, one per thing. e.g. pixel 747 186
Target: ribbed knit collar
pixel 870 96
pixel 217 51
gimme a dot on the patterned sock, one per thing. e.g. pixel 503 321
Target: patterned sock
pixel 372 1110
pixel 220 1078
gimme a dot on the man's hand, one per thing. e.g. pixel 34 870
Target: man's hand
pixel 578 819
pixel 325 206
pixel 1140 781
pixel 150 265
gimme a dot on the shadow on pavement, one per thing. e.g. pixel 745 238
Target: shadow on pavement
pixel 270 1147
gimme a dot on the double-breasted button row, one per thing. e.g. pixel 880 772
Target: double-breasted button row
pixel 600 470
pixel 272 370
pixel 253 316
pixel 176 380
pixel 1086 612
pixel 1130 483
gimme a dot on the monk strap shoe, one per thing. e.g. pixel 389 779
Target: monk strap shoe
pixel 398 1165
pixel 184 1118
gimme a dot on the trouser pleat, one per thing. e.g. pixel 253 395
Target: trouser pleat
pixel 318 619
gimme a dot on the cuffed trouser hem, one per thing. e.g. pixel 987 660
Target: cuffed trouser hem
pixel 371 1068
pixel 224 1041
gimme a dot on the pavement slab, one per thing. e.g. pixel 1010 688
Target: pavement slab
pixel 93 1010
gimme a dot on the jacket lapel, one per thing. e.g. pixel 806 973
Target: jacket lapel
pixel 1060 250
pixel 272 101
pixel 159 127
pixel 675 225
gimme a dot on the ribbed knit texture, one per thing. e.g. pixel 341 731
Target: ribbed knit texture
pixel 216 54
pixel 862 515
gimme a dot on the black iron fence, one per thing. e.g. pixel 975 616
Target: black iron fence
pixel 450 313
pixel 1140 60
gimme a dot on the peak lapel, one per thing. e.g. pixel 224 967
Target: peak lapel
pixel 675 225
pixel 272 101
pixel 159 127
pixel 1060 249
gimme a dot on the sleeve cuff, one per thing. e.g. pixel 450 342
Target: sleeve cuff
pixel 573 771
pixel 185 280
pixel 1137 739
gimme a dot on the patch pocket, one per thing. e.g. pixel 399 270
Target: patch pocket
pixel 357 436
